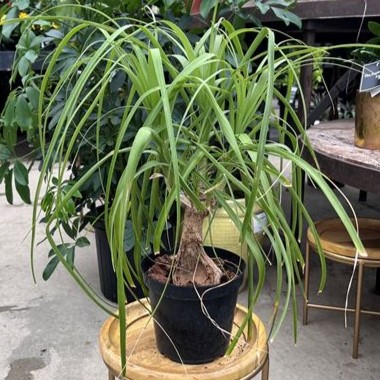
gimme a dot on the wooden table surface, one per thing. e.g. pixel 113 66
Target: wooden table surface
pixel 340 159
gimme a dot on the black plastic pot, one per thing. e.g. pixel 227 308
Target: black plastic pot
pixel 107 276
pixel 183 332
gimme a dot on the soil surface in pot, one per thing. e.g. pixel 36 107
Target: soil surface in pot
pixel 162 269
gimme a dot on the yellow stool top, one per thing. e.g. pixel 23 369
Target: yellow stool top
pixel 145 362
pixel 335 239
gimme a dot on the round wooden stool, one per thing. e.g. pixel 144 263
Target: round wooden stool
pixel 145 362
pixel 337 246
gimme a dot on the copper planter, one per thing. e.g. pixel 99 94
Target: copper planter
pixel 367 121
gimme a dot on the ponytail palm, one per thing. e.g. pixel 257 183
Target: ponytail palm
pixel 202 111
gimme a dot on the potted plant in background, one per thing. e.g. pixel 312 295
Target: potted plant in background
pixel 10 34
pixel 20 117
pixel 10 39
pixel 204 110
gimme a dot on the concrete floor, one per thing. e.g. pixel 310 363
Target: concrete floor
pixel 49 330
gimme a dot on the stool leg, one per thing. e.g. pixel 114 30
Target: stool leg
pixel 362 196
pixel 110 375
pixel 358 311
pixel 265 370
pixel 306 284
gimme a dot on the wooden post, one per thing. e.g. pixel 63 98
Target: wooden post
pixel 306 75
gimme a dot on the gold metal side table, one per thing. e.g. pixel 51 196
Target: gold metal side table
pixel 145 362
pixel 337 246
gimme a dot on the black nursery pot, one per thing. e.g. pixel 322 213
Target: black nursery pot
pixel 183 332
pixel 107 275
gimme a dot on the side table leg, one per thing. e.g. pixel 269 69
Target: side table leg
pixel 377 284
pixel 358 311
pixel 306 285
pixel 362 196
pixel 265 370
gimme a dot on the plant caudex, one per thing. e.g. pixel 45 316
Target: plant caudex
pixel 205 108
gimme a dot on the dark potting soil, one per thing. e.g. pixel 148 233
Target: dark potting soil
pixel 162 269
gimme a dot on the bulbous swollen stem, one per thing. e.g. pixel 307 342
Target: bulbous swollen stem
pixel 193 265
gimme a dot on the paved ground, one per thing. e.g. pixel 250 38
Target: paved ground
pixel 49 330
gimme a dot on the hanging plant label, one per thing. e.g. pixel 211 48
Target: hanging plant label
pixel 370 80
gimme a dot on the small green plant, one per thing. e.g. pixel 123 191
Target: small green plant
pixel 367 53
pixel 236 11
